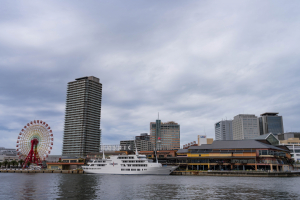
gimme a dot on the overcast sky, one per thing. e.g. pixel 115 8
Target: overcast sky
pixel 194 62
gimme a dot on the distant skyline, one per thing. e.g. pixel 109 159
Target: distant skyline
pixel 195 63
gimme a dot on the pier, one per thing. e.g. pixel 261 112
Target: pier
pixel 237 173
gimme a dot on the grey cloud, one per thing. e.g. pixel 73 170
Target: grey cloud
pixel 194 62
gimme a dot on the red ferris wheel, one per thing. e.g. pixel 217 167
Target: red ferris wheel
pixel 35 141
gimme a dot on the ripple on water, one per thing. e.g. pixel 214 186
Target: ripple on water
pixel 89 186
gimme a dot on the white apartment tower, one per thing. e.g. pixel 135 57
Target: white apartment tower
pixel 223 130
pixel 245 126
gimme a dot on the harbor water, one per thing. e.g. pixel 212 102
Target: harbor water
pixel 95 186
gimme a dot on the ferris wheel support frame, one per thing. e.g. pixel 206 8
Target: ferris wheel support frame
pixel 33 156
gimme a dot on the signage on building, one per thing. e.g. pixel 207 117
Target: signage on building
pixel 116 148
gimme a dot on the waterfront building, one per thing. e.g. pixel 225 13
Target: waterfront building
pixel 245 126
pixel 269 138
pixel 8 154
pixel 270 122
pixel 294 146
pixel 6 151
pixel 66 163
pixel 234 155
pixel 82 118
pixel 223 130
pixel 202 139
pixel 162 155
pixel 165 136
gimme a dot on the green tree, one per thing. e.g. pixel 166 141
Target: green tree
pixel 14 163
pixel 5 163
pixel 1 164
pixel 8 163
pixel 28 163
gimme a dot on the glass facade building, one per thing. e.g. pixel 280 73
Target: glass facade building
pixel 270 122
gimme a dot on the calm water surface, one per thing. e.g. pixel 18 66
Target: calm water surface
pixel 85 186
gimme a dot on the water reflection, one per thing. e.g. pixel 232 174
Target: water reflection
pixel 84 186
pixel 78 186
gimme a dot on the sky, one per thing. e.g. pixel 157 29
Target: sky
pixel 194 62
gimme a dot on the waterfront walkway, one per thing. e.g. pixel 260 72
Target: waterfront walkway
pixel 237 173
pixel 41 171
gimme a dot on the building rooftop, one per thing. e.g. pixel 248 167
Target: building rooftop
pixel 93 78
pixel 269 114
pixel 236 144
pixel 183 151
pixel 264 136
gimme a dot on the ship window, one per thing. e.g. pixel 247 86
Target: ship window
pixel 138 170
pixel 145 169
pixel 122 169
pixel 127 169
pixel 133 170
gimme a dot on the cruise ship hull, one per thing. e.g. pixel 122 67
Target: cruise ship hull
pixel 166 170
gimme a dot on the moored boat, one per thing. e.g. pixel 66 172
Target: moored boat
pixel 127 164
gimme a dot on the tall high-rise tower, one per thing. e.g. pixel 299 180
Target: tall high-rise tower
pixel 82 132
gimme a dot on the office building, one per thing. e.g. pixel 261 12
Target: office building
pixel 245 126
pixel 82 133
pixel 165 136
pixel 270 122
pixel 143 136
pixel 223 130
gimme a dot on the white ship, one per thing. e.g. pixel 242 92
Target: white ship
pixel 127 164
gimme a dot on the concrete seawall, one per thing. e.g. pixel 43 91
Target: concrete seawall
pixel 43 171
pixel 237 173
